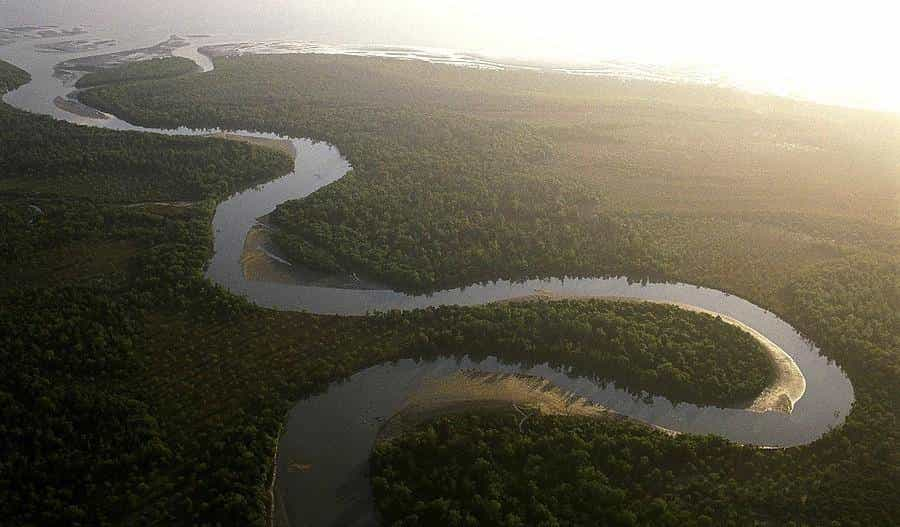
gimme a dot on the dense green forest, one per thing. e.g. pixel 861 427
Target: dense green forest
pixel 462 176
pixel 112 413
pixel 200 380
pixel 435 198
pixel 79 439
pixel 644 347
pixel 12 77
pixel 480 469
pixel 42 155
pixel 158 68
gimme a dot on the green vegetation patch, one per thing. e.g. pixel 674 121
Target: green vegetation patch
pixel 482 469
pixel 644 347
pixel 66 241
pixel 158 398
pixel 42 155
pixel 158 68
pixel 11 77
pixel 462 176
pixel 74 434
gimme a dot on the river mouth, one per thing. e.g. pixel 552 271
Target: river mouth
pixel 330 435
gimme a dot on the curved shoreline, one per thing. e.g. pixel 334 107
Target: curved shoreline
pixel 78 108
pixel 787 385
pixel 259 264
pixel 474 390
pixel 285 146
pixel 781 395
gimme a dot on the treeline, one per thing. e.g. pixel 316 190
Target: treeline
pixel 480 469
pixel 12 77
pixel 462 176
pixel 513 228
pixel 643 347
pixel 218 374
pixel 168 411
pixel 42 155
pixel 157 68
pixel 473 469
pixel 436 198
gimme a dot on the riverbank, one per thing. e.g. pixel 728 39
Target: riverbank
pixel 479 391
pixel 107 61
pixel 781 395
pixel 261 261
pixel 80 109
pixel 257 261
pixel 285 146
pixel 279 365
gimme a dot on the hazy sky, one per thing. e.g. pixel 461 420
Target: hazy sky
pixel 833 51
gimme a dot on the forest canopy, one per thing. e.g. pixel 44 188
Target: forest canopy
pixel 157 68
pixel 748 195
pixel 462 176
pixel 483 469
pixel 12 77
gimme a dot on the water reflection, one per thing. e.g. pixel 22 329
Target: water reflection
pixel 333 432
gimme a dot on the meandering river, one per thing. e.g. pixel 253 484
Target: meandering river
pixel 331 435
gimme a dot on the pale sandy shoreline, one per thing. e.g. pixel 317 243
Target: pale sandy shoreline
pixel 786 389
pixel 261 262
pixel 471 390
pixel 78 108
pixel 781 395
pixel 285 146
pixel 258 264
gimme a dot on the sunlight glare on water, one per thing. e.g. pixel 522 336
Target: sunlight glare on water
pixel 835 53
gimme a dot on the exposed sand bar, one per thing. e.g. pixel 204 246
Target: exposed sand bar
pixel 789 384
pixel 259 264
pixel 119 58
pixel 74 46
pixel 464 391
pixel 175 204
pixel 283 145
pixel 78 108
pixel 787 387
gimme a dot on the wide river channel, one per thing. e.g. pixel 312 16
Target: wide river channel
pixel 331 435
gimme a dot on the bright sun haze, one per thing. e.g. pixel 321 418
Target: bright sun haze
pixel 282 263
pixel 830 52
